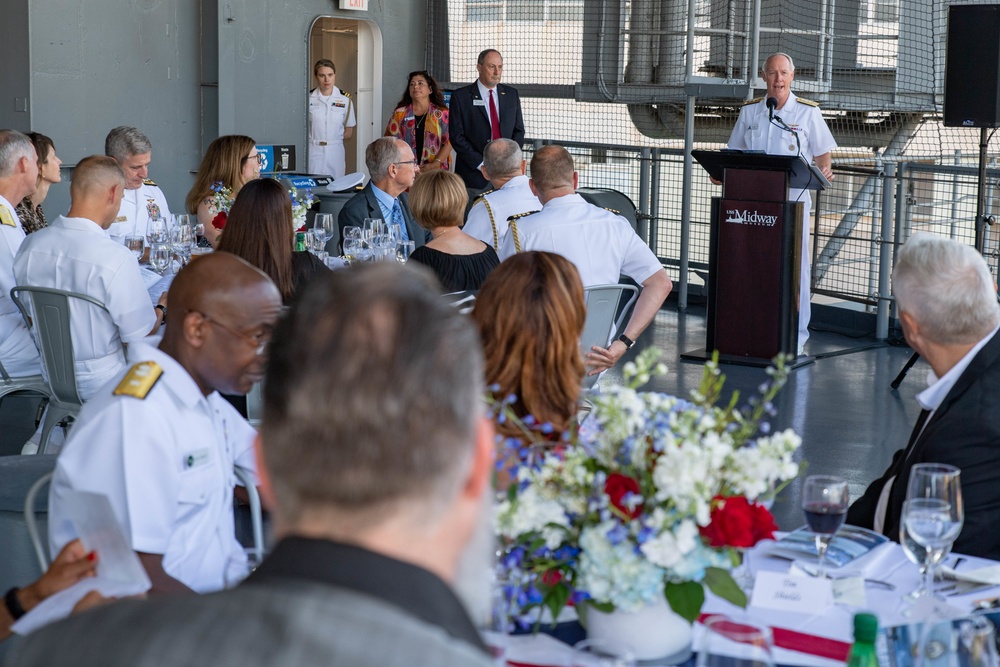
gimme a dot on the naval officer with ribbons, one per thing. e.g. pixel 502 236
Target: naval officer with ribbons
pixel 331 121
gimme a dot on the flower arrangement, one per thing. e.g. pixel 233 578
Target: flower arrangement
pixel 219 204
pixel 301 203
pixel 653 496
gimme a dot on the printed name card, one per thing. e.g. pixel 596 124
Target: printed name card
pixel 785 592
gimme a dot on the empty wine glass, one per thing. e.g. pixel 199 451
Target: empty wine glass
pixel 135 244
pixel 403 251
pixel 182 240
pixel 323 229
pixel 159 257
pixel 353 243
pixel 824 503
pixel 373 226
pixel 311 240
pixel 156 231
pixel 728 643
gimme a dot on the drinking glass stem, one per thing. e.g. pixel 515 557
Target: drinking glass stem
pixel 822 541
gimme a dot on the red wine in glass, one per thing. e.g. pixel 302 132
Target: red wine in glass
pixel 824 503
pixel 824 518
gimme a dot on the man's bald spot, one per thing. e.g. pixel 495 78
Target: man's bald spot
pixel 552 167
pixel 95 173
pixel 215 282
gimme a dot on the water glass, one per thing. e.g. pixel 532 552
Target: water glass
pixel 403 251
pixel 373 226
pixel 728 643
pixel 323 228
pixel 932 481
pixel 135 244
pixel 183 220
pixel 159 257
pixel 824 503
pixel 182 240
pixel 602 653
pixel 156 231
pixel 396 231
pixel 310 241
pixel 382 247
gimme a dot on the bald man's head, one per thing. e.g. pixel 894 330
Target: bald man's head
pixel 221 311
pixel 552 168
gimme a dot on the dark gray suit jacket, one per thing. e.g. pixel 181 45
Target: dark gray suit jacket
pixel 364 205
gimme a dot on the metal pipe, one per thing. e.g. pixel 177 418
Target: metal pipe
pixel 874 233
pixel 884 287
pixel 900 213
pixel 685 240
pixel 652 237
pixel 754 48
pixel 644 184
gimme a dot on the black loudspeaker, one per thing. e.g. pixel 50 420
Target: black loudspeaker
pixel 972 75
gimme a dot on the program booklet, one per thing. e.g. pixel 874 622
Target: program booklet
pixel 850 544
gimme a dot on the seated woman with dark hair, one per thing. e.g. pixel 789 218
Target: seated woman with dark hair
pixel 259 229
pixel 530 313
pixel 461 262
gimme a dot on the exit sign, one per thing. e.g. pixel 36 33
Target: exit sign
pixel 356 5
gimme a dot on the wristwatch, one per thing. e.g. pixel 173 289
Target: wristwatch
pixel 162 309
pixel 628 341
pixel 13 604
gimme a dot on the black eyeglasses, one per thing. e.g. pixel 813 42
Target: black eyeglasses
pixel 259 157
pixel 259 342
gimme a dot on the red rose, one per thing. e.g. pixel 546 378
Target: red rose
pixel 737 523
pixel 219 221
pixel 616 487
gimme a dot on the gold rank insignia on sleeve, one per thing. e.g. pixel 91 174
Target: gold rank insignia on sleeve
pixel 809 103
pixel 6 218
pixel 149 181
pixel 139 380
pixel 753 101
pixel 612 210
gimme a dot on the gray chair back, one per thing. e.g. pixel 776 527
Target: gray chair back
pixel 602 308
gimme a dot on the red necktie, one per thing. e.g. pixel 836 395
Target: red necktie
pixel 494 119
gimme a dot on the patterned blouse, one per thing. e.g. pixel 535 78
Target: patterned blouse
pixel 402 125
pixel 32 218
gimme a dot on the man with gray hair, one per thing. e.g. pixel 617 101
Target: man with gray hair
pixel 18 175
pixel 392 169
pixel 143 199
pixel 948 309
pixel 504 166
pixel 377 474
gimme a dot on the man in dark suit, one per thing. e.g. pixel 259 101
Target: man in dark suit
pixel 377 474
pixel 949 313
pixel 392 169
pixel 480 113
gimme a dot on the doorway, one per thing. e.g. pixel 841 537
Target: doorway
pixel 355 47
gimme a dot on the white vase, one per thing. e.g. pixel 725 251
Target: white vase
pixel 654 632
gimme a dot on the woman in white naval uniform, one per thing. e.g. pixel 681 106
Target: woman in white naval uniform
pixel 331 120
pixel 754 131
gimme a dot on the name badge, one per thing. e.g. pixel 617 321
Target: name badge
pixel 753 127
pixel 478 103
pixel 785 592
pixel 409 118
pixel 196 458
pixel 121 218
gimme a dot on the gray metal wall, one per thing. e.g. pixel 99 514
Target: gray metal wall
pixel 184 71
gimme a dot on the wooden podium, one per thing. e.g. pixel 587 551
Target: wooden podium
pixel 754 255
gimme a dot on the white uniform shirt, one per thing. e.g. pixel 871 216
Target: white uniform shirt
pixel 17 351
pixel 328 117
pixel 138 206
pixel 601 244
pixel 514 197
pixel 75 254
pixel 166 464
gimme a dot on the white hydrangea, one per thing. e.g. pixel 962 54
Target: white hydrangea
pixel 616 573
pixel 755 471
pixel 532 513
pixel 671 547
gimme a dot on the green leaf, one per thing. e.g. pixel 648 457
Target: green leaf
pixel 555 599
pixel 721 583
pixel 606 607
pixel 685 599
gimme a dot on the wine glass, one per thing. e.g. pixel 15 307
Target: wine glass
pixel 353 243
pixel 182 239
pixel 824 503
pixel 933 482
pixel 159 257
pixel 136 244
pixel 322 229
pixel 156 231
pixel 373 226
pixel 311 240
pixel 403 251
pixel 728 643
pixel 182 220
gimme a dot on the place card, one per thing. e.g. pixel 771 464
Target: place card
pixel 784 592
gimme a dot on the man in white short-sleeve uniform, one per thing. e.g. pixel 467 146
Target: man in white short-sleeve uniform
pixel 143 200
pixel 600 243
pixel 161 443
pixel 503 166
pixel 75 254
pixel 331 121
pixel 754 131
pixel 18 174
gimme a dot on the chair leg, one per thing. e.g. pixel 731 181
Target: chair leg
pixel 52 418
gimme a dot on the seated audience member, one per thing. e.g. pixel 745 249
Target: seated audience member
pixel 231 161
pixel 378 476
pixel 74 253
pixel 948 310
pixel 161 444
pixel 142 200
pixel 30 209
pixel 460 261
pixel 71 565
pixel 259 229
pixel 503 165
pixel 392 167
pixel 600 243
pixel 18 176
pixel 421 120
pixel 530 313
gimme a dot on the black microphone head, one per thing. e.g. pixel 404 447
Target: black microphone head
pixel 771 103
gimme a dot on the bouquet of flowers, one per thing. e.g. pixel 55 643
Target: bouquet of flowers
pixel 301 203
pixel 219 204
pixel 653 496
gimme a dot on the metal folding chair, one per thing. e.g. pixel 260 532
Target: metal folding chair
pixel 602 308
pixel 39 542
pixel 12 385
pixel 47 314
pixel 20 561
pixel 256 514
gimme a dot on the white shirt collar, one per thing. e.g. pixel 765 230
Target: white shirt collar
pixel 516 182
pixel 937 388
pixel 484 92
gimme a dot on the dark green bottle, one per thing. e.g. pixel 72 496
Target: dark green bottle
pixel 300 241
pixel 863 652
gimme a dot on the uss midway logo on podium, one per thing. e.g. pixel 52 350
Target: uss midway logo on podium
pixel 746 217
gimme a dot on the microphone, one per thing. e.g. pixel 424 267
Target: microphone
pixel 771 103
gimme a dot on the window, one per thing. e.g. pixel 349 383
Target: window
pixel 886 10
pixel 534 11
pixel 483 10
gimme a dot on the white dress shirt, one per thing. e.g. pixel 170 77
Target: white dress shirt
pixel 17 350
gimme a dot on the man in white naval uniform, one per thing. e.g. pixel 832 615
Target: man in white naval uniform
pixel 75 254
pixel 143 200
pixel 331 121
pixel 503 165
pixel 18 174
pixel 754 131
pixel 600 243
pixel 161 443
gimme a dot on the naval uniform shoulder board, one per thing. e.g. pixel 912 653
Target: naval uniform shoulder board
pixel 513 227
pixel 149 181
pixel 347 95
pixel 518 216
pixel 753 101
pixel 811 103
pixel 139 380
pixel 481 196
pixel 612 210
